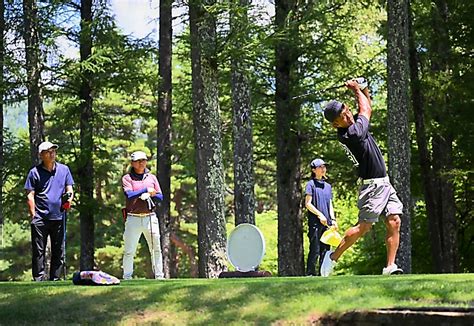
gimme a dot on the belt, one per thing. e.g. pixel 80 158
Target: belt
pixel 375 181
pixel 139 214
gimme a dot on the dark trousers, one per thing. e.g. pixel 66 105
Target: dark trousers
pixel 40 230
pixel 316 247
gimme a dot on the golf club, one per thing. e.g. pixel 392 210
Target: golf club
pixel 151 205
pixel 319 92
pixel 360 80
pixel 152 250
pixel 65 205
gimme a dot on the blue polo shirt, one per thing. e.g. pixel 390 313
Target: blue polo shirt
pixel 321 194
pixel 48 187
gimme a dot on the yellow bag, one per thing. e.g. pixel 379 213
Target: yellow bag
pixel 331 237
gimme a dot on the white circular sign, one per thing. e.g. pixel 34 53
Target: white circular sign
pixel 245 247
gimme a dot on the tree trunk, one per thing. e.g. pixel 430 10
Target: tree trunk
pixel 442 145
pixel 446 210
pixel 167 226
pixel 2 96
pixel 398 126
pixel 207 135
pixel 290 237
pixel 85 166
pixel 424 157
pixel 33 77
pixel 244 197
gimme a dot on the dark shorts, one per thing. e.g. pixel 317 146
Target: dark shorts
pixel 378 199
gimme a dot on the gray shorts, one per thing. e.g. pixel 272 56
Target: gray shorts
pixel 377 199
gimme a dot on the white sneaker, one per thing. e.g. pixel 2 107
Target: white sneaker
pixel 328 264
pixel 392 270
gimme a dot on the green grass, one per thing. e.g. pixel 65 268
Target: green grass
pixel 286 300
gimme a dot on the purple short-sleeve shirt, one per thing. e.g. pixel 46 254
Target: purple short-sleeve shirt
pixel 48 186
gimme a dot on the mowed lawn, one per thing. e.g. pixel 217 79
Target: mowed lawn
pixel 281 300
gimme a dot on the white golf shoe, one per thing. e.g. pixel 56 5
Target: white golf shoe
pixel 392 270
pixel 328 264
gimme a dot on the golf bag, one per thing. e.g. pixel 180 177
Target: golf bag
pixel 94 278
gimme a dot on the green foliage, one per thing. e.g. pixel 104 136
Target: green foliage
pixel 336 41
pixel 188 234
pixel 16 166
pixel 16 118
pixel 447 84
pixel 421 253
pixel 15 258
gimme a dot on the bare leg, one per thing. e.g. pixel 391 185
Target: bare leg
pixel 351 236
pixel 392 239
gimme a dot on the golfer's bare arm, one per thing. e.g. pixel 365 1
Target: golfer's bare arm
pixel 367 94
pixel 314 210
pixel 363 98
pixel 30 201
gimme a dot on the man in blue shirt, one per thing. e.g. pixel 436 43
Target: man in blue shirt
pixel 318 202
pixel 46 186
pixel 376 195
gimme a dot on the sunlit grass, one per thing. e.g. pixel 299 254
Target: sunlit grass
pixel 226 301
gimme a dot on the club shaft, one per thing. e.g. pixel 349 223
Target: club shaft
pixel 318 92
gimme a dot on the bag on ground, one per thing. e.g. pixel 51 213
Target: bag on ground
pixel 94 278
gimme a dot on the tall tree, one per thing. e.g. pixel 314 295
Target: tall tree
pixel 164 134
pixel 31 36
pixel 290 239
pixel 442 144
pixel 398 125
pixel 244 197
pixel 424 157
pixel 437 166
pixel 2 97
pixel 207 136
pixel 85 165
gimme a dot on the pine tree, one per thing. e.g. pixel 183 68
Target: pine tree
pixel 207 135
pixel 398 126
pixel 167 225
pixel 86 167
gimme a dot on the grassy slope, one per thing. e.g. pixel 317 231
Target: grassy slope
pixel 225 301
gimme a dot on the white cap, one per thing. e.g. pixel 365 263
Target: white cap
pixel 138 155
pixel 46 145
pixel 317 163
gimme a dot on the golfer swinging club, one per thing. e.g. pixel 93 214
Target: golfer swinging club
pixel 376 194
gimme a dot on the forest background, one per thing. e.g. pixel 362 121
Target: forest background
pixel 229 109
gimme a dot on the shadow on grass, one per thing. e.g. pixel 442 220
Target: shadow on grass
pixel 229 301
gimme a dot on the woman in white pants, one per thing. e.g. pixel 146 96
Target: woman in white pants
pixel 140 188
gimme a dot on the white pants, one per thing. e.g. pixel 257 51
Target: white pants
pixel 134 227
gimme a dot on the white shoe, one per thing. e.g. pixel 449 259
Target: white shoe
pixel 392 270
pixel 328 264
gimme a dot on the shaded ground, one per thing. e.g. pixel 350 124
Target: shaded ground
pixel 244 301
